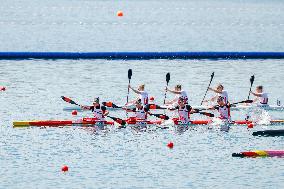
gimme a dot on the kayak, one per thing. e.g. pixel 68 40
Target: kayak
pixel 91 121
pixel 235 108
pixel 246 107
pixel 236 122
pixel 260 153
pixel 85 122
pixel 56 123
pixel 268 133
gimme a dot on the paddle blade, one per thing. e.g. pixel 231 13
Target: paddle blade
pixel 66 99
pixel 129 74
pixel 212 75
pixel 118 120
pixel 168 77
pixel 251 79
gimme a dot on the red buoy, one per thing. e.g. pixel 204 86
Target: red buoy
pixel 2 88
pixel 250 125
pixel 170 145
pixel 64 168
pixel 119 13
pixel 152 98
pixel 74 112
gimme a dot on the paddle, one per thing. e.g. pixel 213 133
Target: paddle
pixel 244 101
pixel 66 99
pixel 212 75
pixel 251 83
pixel 129 78
pixel 118 120
pixel 111 105
pixel 161 116
pixel 207 114
pixel 168 77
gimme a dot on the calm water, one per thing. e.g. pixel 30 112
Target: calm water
pixel 201 158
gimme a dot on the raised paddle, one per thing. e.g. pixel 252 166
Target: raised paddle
pixel 251 83
pixel 212 75
pixel 168 77
pixel 118 120
pixel 129 78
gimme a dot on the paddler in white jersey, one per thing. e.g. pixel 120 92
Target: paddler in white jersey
pixel 261 97
pixel 184 111
pixel 140 111
pixel 223 109
pixel 220 93
pixel 179 94
pixel 99 111
pixel 143 95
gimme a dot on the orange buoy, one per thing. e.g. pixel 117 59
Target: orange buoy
pixel 170 145
pixel 119 13
pixel 64 168
pixel 74 112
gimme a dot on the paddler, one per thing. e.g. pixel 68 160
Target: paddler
pixel 99 111
pixel 220 93
pixel 140 111
pixel 143 95
pixel 184 111
pixel 223 109
pixel 261 97
pixel 179 94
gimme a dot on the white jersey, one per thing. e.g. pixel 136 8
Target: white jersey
pixel 98 113
pixel 140 114
pixel 184 114
pixel 144 98
pixel 182 94
pixel 263 99
pixel 224 94
pixel 224 112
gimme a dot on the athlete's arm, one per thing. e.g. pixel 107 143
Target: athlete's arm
pixel 134 90
pixel 173 91
pixel 214 90
pixel 256 94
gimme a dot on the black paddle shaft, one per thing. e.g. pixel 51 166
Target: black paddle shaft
pixel 129 78
pixel 251 83
pixel 212 75
pixel 168 77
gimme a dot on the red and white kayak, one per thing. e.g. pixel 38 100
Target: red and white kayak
pixel 236 122
pixel 91 122
pixel 85 122
pixel 56 123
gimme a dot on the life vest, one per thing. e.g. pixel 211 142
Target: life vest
pixel 98 113
pixel 225 113
pixel 144 98
pixel 263 99
pixel 184 114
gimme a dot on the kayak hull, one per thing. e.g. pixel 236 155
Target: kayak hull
pixel 92 121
